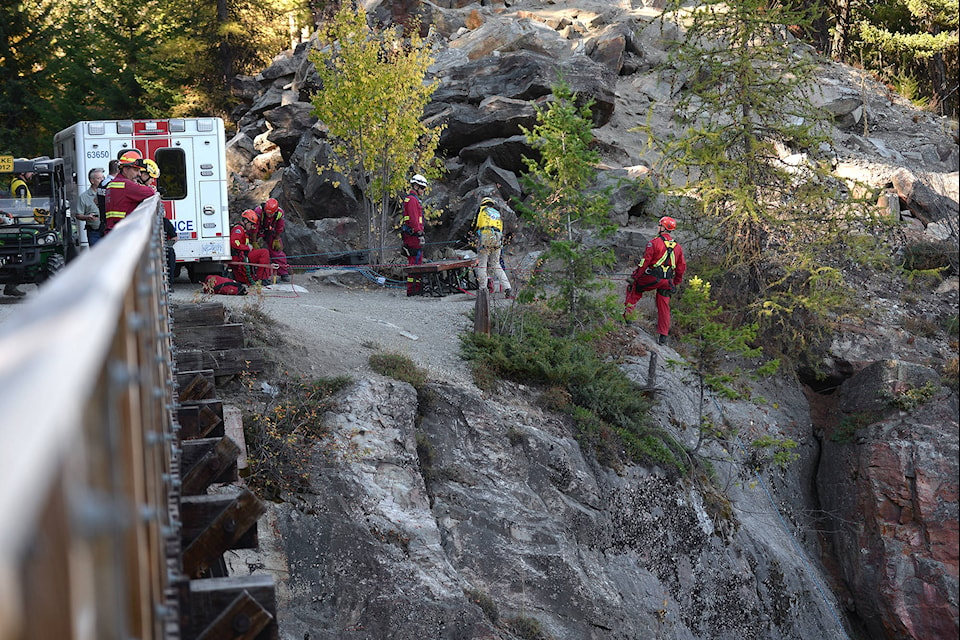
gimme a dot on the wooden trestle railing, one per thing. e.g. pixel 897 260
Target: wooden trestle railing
pixel 94 541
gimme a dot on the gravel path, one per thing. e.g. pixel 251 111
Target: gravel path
pixel 342 319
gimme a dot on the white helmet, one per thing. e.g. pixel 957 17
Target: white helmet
pixel 418 180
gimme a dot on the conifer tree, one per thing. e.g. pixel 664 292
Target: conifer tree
pixel 564 203
pixel 372 101
pixel 25 30
pixel 913 44
pixel 771 220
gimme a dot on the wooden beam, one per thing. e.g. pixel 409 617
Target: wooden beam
pixel 243 619
pixel 218 460
pixel 206 337
pixel 224 363
pixel 225 531
pixel 203 313
pixel 196 385
pixel 209 597
pixel 201 419
pixel 481 315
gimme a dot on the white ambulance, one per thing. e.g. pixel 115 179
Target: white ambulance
pixel 193 177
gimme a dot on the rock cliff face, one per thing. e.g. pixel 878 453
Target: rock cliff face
pixel 457 515
pixel 889 494
pixel 460 515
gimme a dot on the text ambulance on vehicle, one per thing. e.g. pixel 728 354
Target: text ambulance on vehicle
pixel 191 154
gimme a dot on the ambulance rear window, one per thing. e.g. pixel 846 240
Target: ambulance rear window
pixel 172 182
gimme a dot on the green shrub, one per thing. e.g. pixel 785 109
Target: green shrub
pixel 910 398
pixel 608 409
pixel 526 628
pixel 846 430
pixel 485 602
pixel 281 437
pixel 925 257
pixel 399 367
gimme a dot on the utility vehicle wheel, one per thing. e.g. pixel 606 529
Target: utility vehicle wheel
pixel 54 264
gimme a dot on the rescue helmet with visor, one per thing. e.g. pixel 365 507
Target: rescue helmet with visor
pixel 419 181
pixel 668 223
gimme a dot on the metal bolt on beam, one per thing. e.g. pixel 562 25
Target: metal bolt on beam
pixel 163 611
pixel 135 321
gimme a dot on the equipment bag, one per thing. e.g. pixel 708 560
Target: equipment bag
pixel 223 286
pixel 489 238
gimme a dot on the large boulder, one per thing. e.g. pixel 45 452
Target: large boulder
pixel 288 123
pixel 922 200
pixel 528 75
pixel 889 492
pixel 494 117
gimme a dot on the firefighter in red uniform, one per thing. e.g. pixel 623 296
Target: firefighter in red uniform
pixel 124 192
pixel 268 235
pixel 662 270
pixel 250 266
pixel 411 230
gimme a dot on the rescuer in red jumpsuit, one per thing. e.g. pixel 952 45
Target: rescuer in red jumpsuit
pixel 125 192
pixel 411 230
pixel 662 270
pixel 250 266
pixel 268 235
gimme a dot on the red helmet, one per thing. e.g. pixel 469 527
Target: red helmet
pixel 124 152
pixel 250 215
pixel 271 206
pixel 668 223
pixel 131 158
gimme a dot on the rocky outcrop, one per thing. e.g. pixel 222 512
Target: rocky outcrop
pixel 453 515
pixel 438 526
pixel 889 490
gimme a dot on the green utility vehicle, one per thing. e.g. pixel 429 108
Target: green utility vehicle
pixel 37 234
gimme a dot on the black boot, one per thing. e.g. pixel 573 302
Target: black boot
pixel 12 290
pixel 661 339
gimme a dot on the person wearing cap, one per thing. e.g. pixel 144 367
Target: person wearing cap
pixel 489 229
pixel 268 235
pixel 125 192
pixel 88 208
pixel 411 230
pixel 662 271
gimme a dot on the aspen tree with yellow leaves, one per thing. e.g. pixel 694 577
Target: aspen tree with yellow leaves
pixel 372 101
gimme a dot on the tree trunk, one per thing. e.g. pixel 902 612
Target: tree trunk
pixel 842 32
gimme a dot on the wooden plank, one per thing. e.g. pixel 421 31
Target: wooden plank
pixel 243 619
pixel 224 363
pixel 233 426
pixel 196 385
pixel 435 267
pixel 216 337
pixel 198 313
pixel 481 316
pixel 209 597
pixel 199 512
pixel 226 531
pixel 219 459
pixel 201 419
